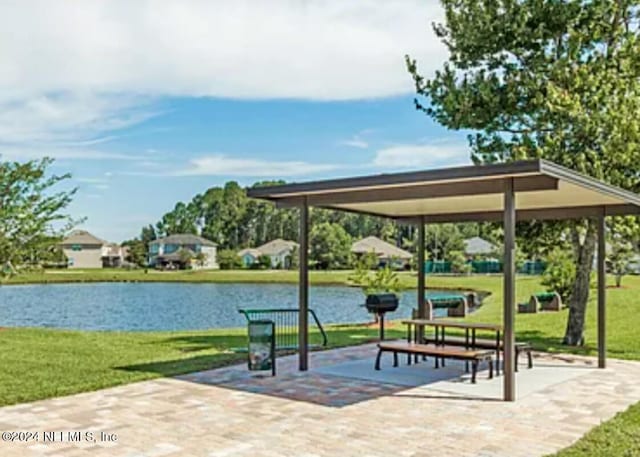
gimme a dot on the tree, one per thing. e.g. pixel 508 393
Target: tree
pixel 383 280
pixel 557 80
pixel 200 258
pixel 228 259
pixel 329 246
pixel 440 239
pixel 621 255
pixel 294 258
pixel 459 263
pixel 183 219
pixel 32 217
pixel 139 246
pixel 560 273
pixel 185 256
pixel 137 252
pixel 362 266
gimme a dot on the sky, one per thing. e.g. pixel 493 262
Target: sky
pixel 147 103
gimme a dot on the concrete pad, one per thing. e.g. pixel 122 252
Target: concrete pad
pixel 453 379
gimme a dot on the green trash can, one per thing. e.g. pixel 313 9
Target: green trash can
pixel 262 346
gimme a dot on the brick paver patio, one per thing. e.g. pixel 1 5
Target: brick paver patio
pixel 230 412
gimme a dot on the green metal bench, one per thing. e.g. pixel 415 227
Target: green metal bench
pixel 455 304
pixel 546 301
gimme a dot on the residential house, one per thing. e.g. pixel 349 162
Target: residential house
pixel 477 246
pixel 387 253
pixel 113 255
pixel 249 256
pixel 84 250
pixel 279 252
pixel 183 251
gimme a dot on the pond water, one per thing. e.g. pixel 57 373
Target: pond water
pixel 173 306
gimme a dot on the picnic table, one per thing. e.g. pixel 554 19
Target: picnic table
pixel 415 333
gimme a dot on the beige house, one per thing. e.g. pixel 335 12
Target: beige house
pixel 387 253
pixel 279 251
pixel 84 250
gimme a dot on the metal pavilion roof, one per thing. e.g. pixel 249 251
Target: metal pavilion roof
pixel 473 193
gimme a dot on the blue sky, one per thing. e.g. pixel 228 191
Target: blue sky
pixel 148 106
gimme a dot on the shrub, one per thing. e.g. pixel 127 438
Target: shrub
pixel 384 280
pixel 459 263
pixel 619 259
pixel 264 262
pixel 560 273
pixel 228 259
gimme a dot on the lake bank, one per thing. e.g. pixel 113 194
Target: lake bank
pixel 202 276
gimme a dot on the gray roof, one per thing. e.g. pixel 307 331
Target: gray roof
pixel 184 239
pixel 251 251
pixel 477 245
pixel 82 237
pixel 276 247
pixel 380 248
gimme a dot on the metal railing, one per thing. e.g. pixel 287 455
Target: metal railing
pixel 286 323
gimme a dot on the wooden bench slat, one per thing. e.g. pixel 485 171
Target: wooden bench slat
pixel 424 349
pixel 479 343
pixel 439 352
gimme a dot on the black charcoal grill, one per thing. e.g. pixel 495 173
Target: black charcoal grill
pixel 379 304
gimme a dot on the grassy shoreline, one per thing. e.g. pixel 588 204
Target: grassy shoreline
pixel 211 276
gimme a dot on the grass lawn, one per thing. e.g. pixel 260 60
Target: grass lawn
pixel 42 363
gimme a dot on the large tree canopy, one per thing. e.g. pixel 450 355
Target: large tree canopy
pixel 32 218
pixel 540 78
pixel 227 216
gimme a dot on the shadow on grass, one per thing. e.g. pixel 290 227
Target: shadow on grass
pixel 204 341
pixel 217 350
pixel 546 343
pixel 187 365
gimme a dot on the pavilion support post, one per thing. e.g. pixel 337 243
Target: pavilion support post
pixel 602 293
pixel 422 305
pixel 303 288
pixel 509 387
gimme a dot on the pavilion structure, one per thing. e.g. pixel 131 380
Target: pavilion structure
pixel 506 192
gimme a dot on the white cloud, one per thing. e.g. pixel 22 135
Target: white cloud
pixel 73 75
pixel 426 155
pixel 29 152
pixel 316 49
pixel 356 142
pixel 92 180
pixel 222 165
pixel 67 125
pixel 72 118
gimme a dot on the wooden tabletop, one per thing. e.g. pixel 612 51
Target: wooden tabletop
pixel 454 324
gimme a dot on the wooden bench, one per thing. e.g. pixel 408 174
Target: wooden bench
pixel 482 343
pixel 475 356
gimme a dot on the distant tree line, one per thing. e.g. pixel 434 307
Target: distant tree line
pixel 227 216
